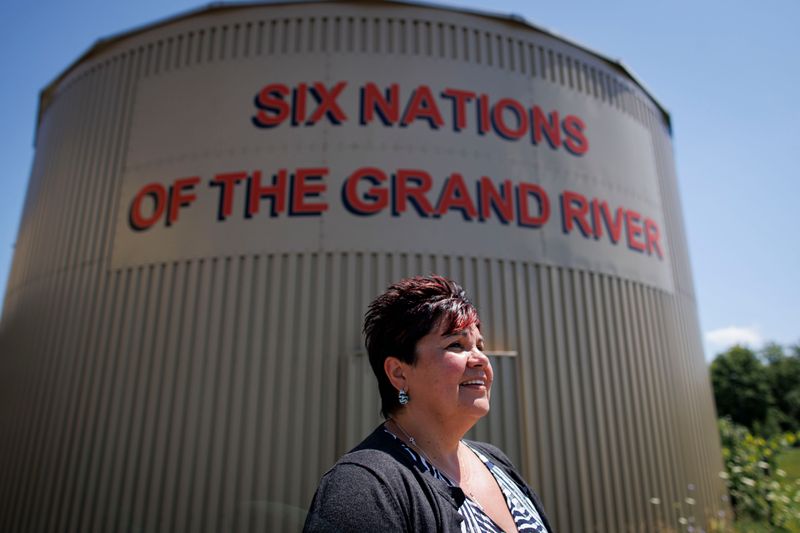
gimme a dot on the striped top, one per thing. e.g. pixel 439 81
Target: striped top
pixel 522 510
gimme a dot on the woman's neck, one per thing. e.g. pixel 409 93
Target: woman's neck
pixel 436 440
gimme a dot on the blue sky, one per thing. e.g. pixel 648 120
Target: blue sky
pixel 728 72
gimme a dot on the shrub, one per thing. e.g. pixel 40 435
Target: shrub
pixel 759 490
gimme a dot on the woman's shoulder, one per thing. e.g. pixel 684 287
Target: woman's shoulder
pixel 354 496
pixel 364 491
pixel 378 452
pixel 376 462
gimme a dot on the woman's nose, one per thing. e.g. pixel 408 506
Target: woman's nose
pixel 478 358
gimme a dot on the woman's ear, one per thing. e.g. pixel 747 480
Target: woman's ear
pixel 396 372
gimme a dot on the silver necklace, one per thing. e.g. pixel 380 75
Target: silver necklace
pixel 450 477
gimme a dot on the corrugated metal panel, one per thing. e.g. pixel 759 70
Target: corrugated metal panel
pixel 203 393
pixel 211 394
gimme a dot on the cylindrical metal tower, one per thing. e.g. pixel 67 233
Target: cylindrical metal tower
pixel 215 199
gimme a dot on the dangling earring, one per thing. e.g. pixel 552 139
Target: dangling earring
pixel 402 397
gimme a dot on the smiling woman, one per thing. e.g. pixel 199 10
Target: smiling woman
pixel 415 472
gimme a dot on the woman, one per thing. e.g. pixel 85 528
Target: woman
pixel 414 472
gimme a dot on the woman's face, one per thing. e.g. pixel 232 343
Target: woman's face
pixel 451 377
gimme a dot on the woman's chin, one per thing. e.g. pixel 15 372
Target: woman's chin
pixel 479 407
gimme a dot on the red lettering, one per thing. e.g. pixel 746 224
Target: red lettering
pixel 575 141
pixel 614 225
pixel 270 99
pixel 456 196
pixel 483 114
pixel 524 191
pixel 178 200
pixel 574 208
pixel 387 108
pixel 491 197
pixel 301 188
pixel 634 227
pixel 299 107
pixel 499 121
pixel 227 183
pixel 597 223
pixel 422 106
pixel 276 192
pixel 412 185
pixel 460 99
pixel 547 126
pixel 327 103
pixel 653 236
pixel 378 197
pixel 159 194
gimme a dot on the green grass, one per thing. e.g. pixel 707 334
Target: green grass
pixel 789 461
pixel 748 526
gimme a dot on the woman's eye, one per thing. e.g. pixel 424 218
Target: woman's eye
pixel 455 345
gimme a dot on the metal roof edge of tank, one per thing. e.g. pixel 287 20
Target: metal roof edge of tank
pixel 105 42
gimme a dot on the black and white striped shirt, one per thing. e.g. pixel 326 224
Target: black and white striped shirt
pixel 522 510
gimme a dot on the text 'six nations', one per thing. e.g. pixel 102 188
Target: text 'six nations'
pixel 459 110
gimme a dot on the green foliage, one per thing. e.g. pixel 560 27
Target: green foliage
pixel 749 526
pixel 789 462
pixel 760 491
pixel 783 376
pixel 741 386
pixel 759 390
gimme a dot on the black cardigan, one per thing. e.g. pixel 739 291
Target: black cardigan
pixel 375 487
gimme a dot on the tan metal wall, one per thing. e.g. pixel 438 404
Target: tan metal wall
pixel 210 395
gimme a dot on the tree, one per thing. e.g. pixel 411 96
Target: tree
pixel 783 376
pixel 741 387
